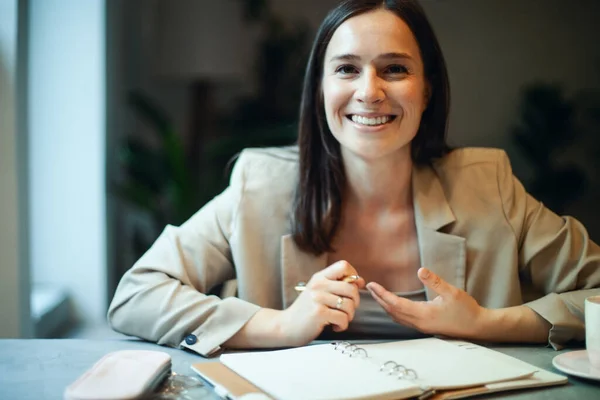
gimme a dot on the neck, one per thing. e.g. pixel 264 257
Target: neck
pixel 379 186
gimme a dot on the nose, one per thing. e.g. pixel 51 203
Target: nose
pixel 370 88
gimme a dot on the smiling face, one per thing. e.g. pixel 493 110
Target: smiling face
pixel 373 84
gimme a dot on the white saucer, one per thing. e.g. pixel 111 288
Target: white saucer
pixel 576 363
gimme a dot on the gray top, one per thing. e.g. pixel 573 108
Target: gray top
pixel 372 320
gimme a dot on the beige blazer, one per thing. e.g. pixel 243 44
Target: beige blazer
pixel 477 228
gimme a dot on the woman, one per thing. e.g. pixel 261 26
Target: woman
pixel 371 190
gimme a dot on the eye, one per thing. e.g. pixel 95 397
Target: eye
pixel 396 69
pixel 346 69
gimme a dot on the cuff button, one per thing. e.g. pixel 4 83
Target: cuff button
pixel 191 339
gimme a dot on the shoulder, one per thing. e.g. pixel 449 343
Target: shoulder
pixel 469 157
pixel 476 163
pixel 270 155
pixel 265 179
pixel 272 166
pixel 477 182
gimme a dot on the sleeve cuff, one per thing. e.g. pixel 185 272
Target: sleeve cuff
pixel 565 326
pixel 232 315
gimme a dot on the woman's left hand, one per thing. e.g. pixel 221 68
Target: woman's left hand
pixel 452 313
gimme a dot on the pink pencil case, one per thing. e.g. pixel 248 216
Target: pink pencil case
pixel 126 374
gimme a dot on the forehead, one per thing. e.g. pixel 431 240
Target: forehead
pixel 378 31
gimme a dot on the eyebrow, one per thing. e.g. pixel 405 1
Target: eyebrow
pixel 385 56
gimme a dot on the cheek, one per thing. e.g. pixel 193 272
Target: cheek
pixel 414 96
pixel 334 98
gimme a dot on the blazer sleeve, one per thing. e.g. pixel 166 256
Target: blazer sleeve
pixel 161 298
pixel 556 257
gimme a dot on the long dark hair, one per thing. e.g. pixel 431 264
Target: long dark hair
pixel 318 198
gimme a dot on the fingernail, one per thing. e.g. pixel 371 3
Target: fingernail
pixel 425 273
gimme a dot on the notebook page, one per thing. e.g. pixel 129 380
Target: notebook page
pixel 444 365
pixel 317 372
pixel 539 379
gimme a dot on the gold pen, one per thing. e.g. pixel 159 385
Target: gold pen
pixel 301 286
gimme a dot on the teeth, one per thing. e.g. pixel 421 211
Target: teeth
pixel 371 121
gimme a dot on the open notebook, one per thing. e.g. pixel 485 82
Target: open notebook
pixel 380 371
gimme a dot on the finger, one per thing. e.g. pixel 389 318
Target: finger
pixel 343 289
pixel 388 308
pixel 330 300
pixel 339 270
pixel 384 294
pixel 335 302
pixel 397 315
pixel 360 283
pixel 434 282
pixel 338 319
pixel 399 305
pixel 339 288
pixel 341 303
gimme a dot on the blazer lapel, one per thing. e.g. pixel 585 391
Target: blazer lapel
pixel 442 253
pixel 297 266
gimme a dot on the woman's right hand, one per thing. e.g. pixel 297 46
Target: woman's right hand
pixel 319 304
pixel 314 309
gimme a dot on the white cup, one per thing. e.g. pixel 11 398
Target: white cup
pixel 592 330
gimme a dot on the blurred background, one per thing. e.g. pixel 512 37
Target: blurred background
pixel 120 116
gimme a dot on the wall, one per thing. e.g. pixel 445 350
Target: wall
pixel 14 274
pixel 67 150
pixel 494 48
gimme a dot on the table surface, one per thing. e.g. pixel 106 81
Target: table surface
pixel 42 368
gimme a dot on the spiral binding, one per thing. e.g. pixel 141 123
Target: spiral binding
pixel 350 349
pixel 392 367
